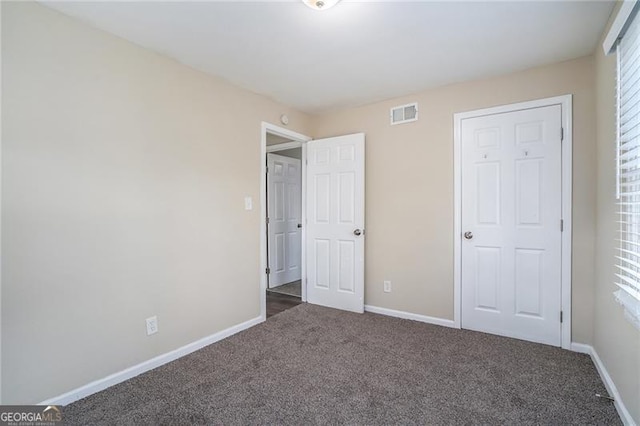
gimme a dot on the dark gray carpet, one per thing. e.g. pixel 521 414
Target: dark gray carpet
pixel 313 365
pixel 290 289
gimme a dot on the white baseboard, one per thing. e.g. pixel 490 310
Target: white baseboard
pixel 410 316
pixel 624 414
pixel 581 348
pixel 128 373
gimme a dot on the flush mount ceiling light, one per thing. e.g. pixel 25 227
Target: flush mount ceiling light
pixel 320 4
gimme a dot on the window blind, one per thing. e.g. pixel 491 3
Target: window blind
pixel 628 172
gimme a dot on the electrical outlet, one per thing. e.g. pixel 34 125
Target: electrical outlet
pixel 387 287
pixel 152 325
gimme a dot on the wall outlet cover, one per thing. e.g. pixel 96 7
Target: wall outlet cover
pixel 152 325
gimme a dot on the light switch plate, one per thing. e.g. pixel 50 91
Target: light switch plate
pixel 248 203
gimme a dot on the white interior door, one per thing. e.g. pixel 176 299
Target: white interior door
pixel 511 224
pixel 335 222
pixel 284 186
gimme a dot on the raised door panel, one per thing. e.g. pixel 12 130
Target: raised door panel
pixel 346 200
pixel 346 262
pixel 488 192
pixel 279 252
pixel 321 156
pixel 530 132
pixel 346 153
pixel 293 243
pixel 487 279
pixel 487 138
pixel 528 192
pixel 528 282
pixel 322 263
pixel 321 212
pixel 279 202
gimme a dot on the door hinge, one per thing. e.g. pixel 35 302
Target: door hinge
pixel 561 134
pixel 268 271
pixel 267 169
pixel 561 317
pixel 267 221
pixel 561 225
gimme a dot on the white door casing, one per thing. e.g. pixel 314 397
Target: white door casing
pixel 284 189
pixel 511 203
pixel 300 141
pixel 335 222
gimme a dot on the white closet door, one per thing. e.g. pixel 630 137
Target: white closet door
pixel 511 212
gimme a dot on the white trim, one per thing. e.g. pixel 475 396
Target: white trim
pixel 128 373
pixel 619 26
pixel 624 414
pixel 303 214
pixel 457 221
pixel 567 214
pixel 284 133
pixel 566 103
pixel 410 316
pixel 581 348
pixel 284 146
pixel 297 138
pixel 263 222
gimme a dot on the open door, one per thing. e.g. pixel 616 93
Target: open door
pixel 335 222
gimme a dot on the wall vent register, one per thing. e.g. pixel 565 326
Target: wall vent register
pixel 404 113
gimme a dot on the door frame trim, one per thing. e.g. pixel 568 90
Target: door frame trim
pixel 299 140
pixel 283 146
pixel 565 102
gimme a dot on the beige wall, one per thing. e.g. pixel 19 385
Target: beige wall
pixel 409 186
pixel 616 341
pixel 123 178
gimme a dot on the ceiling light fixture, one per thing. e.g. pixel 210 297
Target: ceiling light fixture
pixel 320 4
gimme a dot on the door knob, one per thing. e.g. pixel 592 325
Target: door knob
pixel 468 235
pixel 357 232
pixel 299 225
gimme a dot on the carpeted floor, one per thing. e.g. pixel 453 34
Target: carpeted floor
pixel 314 365
pixel 290 289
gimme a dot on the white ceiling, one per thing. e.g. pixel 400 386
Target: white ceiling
pixel 357 52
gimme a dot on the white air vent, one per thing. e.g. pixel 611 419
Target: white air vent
pixel 404 113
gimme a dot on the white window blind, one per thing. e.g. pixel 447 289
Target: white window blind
pixel 628 173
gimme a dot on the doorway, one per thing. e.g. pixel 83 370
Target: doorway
pixel 513 221
pixel 282 210
pixel 332 234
